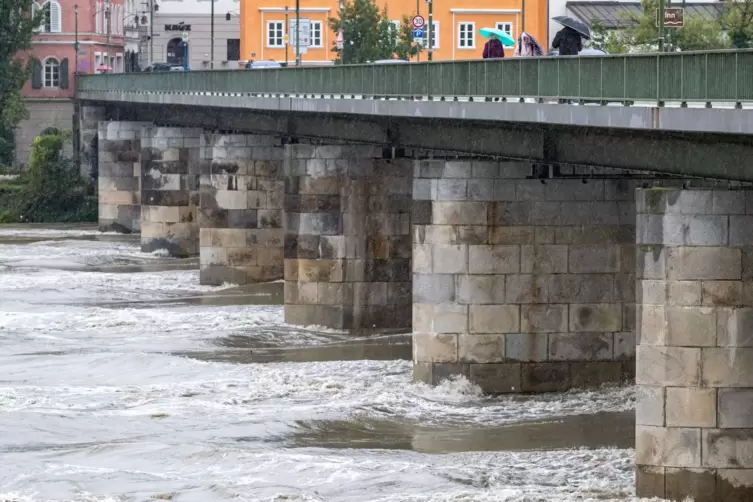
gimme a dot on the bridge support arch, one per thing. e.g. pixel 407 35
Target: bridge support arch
pixel 694 414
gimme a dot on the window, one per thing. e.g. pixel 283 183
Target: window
pixel 233 49
pixel 466 35
pixel 396 25
pixel 275 34
pixel 52 20
pixel 506 27
pixel 434 35
pixel 106 20
pixel 51 72
pixel 316 34
pixel 98 22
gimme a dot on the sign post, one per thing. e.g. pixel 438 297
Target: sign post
pixel 340 40
pixel 300 36
pixel 184 36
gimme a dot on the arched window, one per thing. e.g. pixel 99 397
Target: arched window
pixel 51 72
pixel 175 52
pixel 52 22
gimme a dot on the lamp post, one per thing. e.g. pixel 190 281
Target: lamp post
pixel 431 30
pixel 211 36
pixel 76 45
pixel 286 42
pixel 297 32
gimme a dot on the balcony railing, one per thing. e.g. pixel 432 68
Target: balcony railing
pixel 716 76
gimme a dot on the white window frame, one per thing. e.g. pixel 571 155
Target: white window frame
pixel 505 26
pixel 44 73
pixel 435 35
pixel 314 42
pixel 472 32
pixel 56 17
pixel 397 24
pixel 281 26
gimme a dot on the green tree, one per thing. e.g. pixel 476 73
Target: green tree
pixel 370 35
pixel 738 21
pixel 17 24
pixel 698 33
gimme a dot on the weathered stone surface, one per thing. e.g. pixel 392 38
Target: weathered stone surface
pixel 488 348
pixel 671 447
pixel 690 407
pixel 728 448
pixel 668 366
pixel 649 405
pixel 497 378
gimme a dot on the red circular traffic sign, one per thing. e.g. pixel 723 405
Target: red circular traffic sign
pixel 418 21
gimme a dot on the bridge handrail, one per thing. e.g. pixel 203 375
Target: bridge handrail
pixel 719 76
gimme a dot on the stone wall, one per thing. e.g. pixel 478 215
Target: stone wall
pixel 88 129
pixel 241 213
pixel 170 165
pixel 347 238
pixel 694 414
pixel 522 284
pixel 44 113
pixel 119 179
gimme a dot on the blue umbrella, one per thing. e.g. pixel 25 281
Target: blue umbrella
pixel 503 37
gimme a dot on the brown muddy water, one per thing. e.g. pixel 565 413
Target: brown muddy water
pixel 123 379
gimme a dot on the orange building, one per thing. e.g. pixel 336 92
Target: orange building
pixel 456 25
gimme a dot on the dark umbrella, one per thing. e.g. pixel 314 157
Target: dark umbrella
pixel 569 22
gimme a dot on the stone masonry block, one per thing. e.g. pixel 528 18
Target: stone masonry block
pixel 435 348
pixel 545 377
pixel 581 288
pixel 526 347
pixel 728 448
pixel 543 318
pixel 624 345
pixel 725 367
pixel 493 259
pixel 459 213
pixel 722 293
pixel 594 259
pixel 494 319
pixel 497 378
pixel 682 230
pixel 663 201
pixel 433 288
pixel 691 326
pixel 684 293
pixel 440 318
pixel 651 262
pixel 690 407
pixel 581 346
pixel 735 327
pixel 595 317
pixel 526 288
pixel 659 446
pixel 704 263
pixel 740 230
pixel 728 202
pixel 489 348
pixel 480 289
pixel 450 259
pixel 649 405
pixel 736 408
pixel 543 259
pixel 574 190
pixel 652 325
pixel 668 366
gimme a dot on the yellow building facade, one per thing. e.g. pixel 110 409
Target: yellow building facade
pixel 264 26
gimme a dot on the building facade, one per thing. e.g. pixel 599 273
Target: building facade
pixel 172 18
pixel 264 26
pixel 100 27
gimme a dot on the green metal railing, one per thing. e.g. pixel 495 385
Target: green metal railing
pixel 687 76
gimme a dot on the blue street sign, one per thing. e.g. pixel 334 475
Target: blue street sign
pixel 418 33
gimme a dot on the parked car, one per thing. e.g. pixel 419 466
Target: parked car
pixel 584 52
pixel 262 65
pixel 159 67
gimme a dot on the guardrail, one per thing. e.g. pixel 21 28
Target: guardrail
pixel 713 76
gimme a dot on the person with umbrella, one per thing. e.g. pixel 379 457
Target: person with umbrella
pixel 527 46
pixel 495 46
pixel 568 39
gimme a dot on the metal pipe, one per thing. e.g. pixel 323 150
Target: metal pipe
pixel 211 36
pixel 76 44
pixel 297 32
pixel 431 30
pixel 151 33
pixel 287 44
pixel 660 16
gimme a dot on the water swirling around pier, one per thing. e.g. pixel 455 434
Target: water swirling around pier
pixel 122 379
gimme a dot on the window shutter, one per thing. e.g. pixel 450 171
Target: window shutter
pixel 55 18
pixel 36 75
pixel 64 74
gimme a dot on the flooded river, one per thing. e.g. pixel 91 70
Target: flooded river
pixel 122 379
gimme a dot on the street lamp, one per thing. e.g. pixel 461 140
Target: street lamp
pixel 211 36
pixel 76 45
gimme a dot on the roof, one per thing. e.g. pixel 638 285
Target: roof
pixel 619 14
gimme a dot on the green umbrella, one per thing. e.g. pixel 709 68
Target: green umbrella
pixel 503 37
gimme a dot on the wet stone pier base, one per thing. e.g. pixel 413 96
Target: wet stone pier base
pixel 241 214
pixel 522 285
pixel 694 414
pixel 119 180
pixel 170 165
pixel 347 238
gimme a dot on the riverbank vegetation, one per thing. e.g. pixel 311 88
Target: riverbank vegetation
pixel 50 189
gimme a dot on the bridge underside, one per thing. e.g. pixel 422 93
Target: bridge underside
pixel 688 154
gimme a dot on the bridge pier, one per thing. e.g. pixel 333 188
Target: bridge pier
pixel 170 167
pixel 347 238
pixel 522 284
pixel 241 214
pixel 119 176
pixel 694 415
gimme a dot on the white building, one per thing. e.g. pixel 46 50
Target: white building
pixel 172 18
